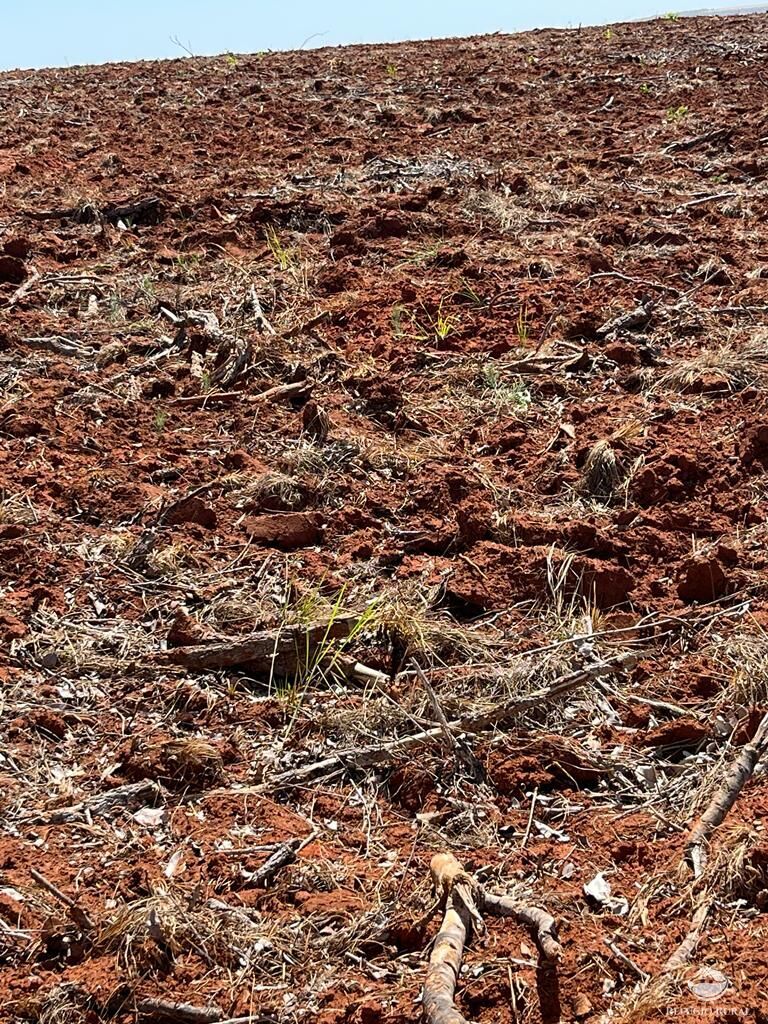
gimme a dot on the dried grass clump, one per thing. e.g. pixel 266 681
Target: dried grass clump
pixel 607 470
pixel 271 492
pixel 735 366
pixel 63 1004
pixel 736 869
pixel 503 211
pixel 185 762
pixel 150 934
pixel 603 472
pixel 17 510
pixel 169 560
pixel 742 659
pixel 406 620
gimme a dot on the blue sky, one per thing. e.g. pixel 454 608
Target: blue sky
pixel 44 33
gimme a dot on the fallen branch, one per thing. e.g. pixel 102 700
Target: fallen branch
pixel 25 288
pixel 541 923
pixel 281 857
pixel 384 752
pixel 59 346
pixel 707 199
pixel 103 805
pixel 179 1013
pixel 462 900
pixel 281 652
pixel 736 778
pixel 714 135
pixel 76 912
pixel 280 391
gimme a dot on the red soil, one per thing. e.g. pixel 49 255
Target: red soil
pixel 414 220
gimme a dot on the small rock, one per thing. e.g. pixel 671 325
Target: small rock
pixel 188 632
pixel 581 1006
pixel 285 530
pixel 622 353
pixel 688 732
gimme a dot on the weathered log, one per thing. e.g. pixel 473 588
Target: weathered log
pixel 103 805
pixel 279 652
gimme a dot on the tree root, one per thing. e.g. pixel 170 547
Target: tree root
pixel 463 899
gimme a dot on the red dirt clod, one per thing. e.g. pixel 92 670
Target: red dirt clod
pixel 285 530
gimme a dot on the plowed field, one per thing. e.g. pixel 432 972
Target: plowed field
pixel 383 451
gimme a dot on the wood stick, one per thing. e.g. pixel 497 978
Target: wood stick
pixel 282 855
pixel 382 753
pixel 103 805
pixel 181 1013
pixel 275 650
pixel 463 899
pixel 449 879
pixel 682 954
pixel 726 796
pixel 539 921
pixel 78 915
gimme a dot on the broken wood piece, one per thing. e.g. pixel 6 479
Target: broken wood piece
pixel 461 749
pixel 714 135
pixel 726 796
pixel 281 857
pixel 387 751
pixel 280 652
pixel 279 391
pixel 209 397
pixel 179 1013
pixel 59 346
pixel 455 887
pixel 76 912
pixel 103 805
pixel 541 923
pixel 284 391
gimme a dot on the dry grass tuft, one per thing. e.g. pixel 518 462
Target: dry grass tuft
pixel 17 510
pixel 149 934
pixel 607 471
pixel 185 762
pixel 728 366
pixel 406 619
pixel 742 660
pixel 603 472
pixel 733 871
pixel 271 492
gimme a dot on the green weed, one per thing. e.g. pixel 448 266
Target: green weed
pixel 283 257
pixel 675 114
